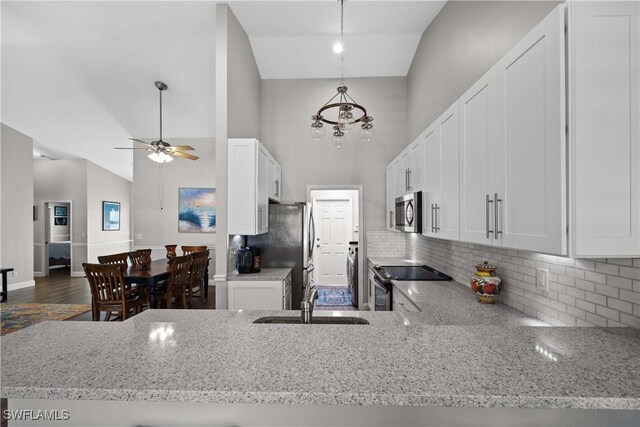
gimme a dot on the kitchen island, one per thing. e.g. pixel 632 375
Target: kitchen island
pixel 201 367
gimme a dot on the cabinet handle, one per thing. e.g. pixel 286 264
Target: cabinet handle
pixel 495 214
pixel 390 219
pixel 406 180
pixel 410 179
pixel 436 209
pixel 277 188
pixel 433 224
pixel 487 213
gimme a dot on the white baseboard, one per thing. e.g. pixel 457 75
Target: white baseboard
pixel 38 274
pixel 21 285
pixel 77 274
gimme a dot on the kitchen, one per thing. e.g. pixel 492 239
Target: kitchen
pixel 440 357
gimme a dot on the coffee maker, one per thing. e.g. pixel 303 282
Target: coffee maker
pixel 248 260
pixel 244 261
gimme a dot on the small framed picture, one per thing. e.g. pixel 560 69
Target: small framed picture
pixel 60 211
pixel 110 216
pixel 60 220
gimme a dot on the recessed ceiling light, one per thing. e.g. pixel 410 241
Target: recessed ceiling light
pixel 338 48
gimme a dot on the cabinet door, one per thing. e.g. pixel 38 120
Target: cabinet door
pixel 278 182
pixel 447 212
pixel 242 196
pixel 401 177
pixel 477 164
pixel 416 166
pixel 390 201
pixel 262 178
pixel 604 46
pixel 530 192
pixel 432 183
pixel 255 295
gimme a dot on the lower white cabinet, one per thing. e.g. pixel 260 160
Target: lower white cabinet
pixel 403 304
pixel 259 294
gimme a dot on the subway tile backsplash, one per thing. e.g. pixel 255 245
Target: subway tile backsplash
pixel 582 292
pixel 381 244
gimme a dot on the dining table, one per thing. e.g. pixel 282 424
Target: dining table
pixel 157 273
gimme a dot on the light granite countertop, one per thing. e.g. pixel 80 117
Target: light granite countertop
pixel 265 274
pixel 385 363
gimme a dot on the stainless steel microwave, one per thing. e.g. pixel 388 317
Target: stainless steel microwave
pixel 409 213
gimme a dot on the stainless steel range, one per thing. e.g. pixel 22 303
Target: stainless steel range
pixel 383 275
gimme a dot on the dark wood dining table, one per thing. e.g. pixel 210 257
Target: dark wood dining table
pixel 158 271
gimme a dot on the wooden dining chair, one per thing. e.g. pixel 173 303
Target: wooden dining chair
pixel 110 293
pixel 114 259
pixel 187 250
pixel 137 257
pixel 177 283
pixel 197 279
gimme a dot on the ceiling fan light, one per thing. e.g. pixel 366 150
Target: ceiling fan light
pixel 160 157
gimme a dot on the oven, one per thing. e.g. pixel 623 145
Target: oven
pixel 409 213
pixel 383 289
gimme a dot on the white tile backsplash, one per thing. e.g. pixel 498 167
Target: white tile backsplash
pixel 582 292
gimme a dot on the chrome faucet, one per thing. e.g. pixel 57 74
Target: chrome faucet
pixel 306 307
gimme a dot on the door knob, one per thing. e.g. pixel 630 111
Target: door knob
pixel 317 246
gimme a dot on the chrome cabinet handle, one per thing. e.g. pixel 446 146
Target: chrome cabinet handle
pixel 406 180
pixel 409 179
pixel 496 210
pixel 277 188
pixel 390 219
pixel 437 209
pixel 487 213
pixel 433 224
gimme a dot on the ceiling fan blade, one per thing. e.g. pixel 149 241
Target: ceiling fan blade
pixel 185 155
pixel 129 148
pixel 140 141
pixel 182 147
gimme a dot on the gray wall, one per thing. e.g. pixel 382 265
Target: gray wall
pixel 287 106
pixel 460 45
pixel 238 106
pixel 61 180
pixel 16 204
pixel 154 227
pixel 103 185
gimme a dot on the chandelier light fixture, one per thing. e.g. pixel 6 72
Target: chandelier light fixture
pixel 343 113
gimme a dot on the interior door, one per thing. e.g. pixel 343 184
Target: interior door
pixel 334 222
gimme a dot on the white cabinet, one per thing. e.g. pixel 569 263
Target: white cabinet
pixel 391 202
pixel 400 173
pixel 413 163
pixel 248 197
pixel 441 193
pixel 604 92
pixel 274 180
pixel 512 147
pixel 401 303
pixel 259 294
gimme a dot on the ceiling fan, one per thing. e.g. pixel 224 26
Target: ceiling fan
pixel 161 151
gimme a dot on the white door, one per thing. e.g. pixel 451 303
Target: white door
pixel 334 219
pixel 477 163
pixel 530 210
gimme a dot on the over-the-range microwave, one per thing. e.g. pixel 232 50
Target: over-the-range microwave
pixel 409 213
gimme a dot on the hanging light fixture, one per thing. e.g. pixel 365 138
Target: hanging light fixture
pixel 346 111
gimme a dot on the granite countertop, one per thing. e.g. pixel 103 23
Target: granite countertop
pixel 265 274
pixel 385 363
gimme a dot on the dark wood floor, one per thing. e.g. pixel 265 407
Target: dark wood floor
pixel 61 288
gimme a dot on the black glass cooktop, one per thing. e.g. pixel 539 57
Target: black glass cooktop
pixel 413 272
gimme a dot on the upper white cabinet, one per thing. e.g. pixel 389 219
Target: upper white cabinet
pixel 413 161
pixel 441 186
pixel 274 180
pixel 248 183
pixel 390 204
pixel 513 147
pixel 604 91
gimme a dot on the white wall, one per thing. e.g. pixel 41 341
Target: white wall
pixel 460 45
pixel 287 106
pixel 154 225
pixel 16 206
pixel 238 114
pixel 61 180
pixel 103 185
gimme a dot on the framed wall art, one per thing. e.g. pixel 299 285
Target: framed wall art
pixel 196 210
pixel 110 216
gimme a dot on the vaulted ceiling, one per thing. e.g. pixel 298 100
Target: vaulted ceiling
pixel 78 76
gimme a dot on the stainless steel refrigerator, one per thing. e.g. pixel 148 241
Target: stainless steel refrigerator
pixel 289 243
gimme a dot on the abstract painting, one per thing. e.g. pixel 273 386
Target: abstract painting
pixel 110 216
pixel 196 210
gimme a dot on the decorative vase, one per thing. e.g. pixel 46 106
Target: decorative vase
pixel 485 283
pixel 171 251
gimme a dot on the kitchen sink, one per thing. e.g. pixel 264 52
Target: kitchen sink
pixel 317 320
